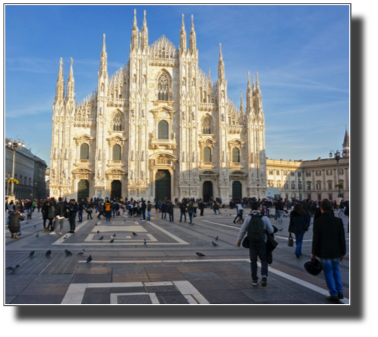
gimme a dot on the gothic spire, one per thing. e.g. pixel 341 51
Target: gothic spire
pixel 70 84
pixel 134 34
pixel 249 96
pixel 241 102
pixel 220 64
pixel 192 39
pixel 257 82
pixel 249 83
pixel 59 91
pixel 144 41
pixel 346 143
pixel 104 56
pixel 182 36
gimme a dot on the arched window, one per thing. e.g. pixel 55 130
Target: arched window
pixel 163 130
pixel 236 155
pixel 117 122
pixel 207 155
pixel 206 126
pixel 116 152
pixel 84 151
pixel 25 181
pixel 163 88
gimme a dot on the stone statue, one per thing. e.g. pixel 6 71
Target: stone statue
pixel 183 156
pixel 223 156
pixel 52 174
pixel 132 155
pixel 222 117
pixel 99 154
pixel 131 174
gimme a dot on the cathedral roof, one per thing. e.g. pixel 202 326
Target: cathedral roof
pixel 346 139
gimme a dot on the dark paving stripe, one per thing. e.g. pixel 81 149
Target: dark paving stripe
pixel 62 265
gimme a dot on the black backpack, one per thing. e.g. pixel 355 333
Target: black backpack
pixel 67 213
pixel 256 230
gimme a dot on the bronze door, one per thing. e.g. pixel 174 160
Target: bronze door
pixel 116 192
pixel 83 190
pixel 207 191
pixel 163 185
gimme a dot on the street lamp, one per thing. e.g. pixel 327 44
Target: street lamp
pixel 14 145
pixel 337 157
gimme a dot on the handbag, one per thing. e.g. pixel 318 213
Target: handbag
pixel 290 241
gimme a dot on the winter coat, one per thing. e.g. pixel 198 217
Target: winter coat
pixel 297 223
pixel 50 212
pixel 14 222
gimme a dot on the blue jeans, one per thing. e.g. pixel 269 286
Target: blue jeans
pixel 163 215
pixel 149 215
pixel 144 214
pixel 332 275
pixel 171 217
pixel 191 216
pixel 80 215
pixel 258 249
pixel 183 214
pixel 298 242
pixel 277 215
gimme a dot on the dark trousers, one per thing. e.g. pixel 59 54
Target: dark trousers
pixel 71 220
pixel 171 217
pixel 89 216
pixel 258 249
pixel 182 214
pixel 144 214
pixel 201 211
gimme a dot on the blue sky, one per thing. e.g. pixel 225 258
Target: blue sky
pixel 300 52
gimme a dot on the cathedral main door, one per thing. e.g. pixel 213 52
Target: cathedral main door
pixel 116 192
pixel 83 190
pixel 207 190
pixel 162 185
pixel 236 190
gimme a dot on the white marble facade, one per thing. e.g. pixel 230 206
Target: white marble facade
pixel 159 112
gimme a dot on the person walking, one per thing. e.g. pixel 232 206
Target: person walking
pixel 170 210
pixel 239 211
pixel 14 223
pixel 163 210
pixel 143 209
pixel 328 243
pixel 59 216
pixel 298 226
pixel 149 206
pixel 182 211
pixel 107 208
pixel 81 209
pixel 50 215
pixel 190 212
pixel 201 206
pixel 44 214
pixel 257 226
pixel 99 209
pixel 89 211
pixel 73 207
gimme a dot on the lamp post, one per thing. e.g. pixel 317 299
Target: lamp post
pixel 337 157
pixel 14 145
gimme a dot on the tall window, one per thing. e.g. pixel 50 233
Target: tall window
pixel 206 126
pixel 207 155
pixel 318 185
pixel 163 128
pixel 299 174
pixel 292 173
pixel 163 88
pixel 117 122
pixel 285 173
pixel 309 186
pixel 270 172
pixel 341 171
pixel 292 186
pixel 308 173
pixel 116 152
pixel 329 172
pixel 330 185
pixel 278 172
pixel 236 155
pixel 299 186
pixel 318 173
pixel 84 151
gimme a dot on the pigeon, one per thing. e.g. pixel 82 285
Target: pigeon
pixel 145 241
pixel 96 224
pixel 114 235
pixel 68 253
pixel 48 253
pixel 34 226
pixel 31 253
pixel 135 233
pixel 101 238
pixel 89 259
pixel 66 237
pixel 98 232
pixel 111 241
pixel 37 235
pixel 281 229
pixel 216 239
pixel 19 233
pixel 200 254
pixel 82 252
pixel 214 244
pixel 13 268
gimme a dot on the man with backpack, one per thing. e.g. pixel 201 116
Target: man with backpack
pixel 256 226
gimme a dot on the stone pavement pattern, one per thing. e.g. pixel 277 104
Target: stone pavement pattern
pixel 166 270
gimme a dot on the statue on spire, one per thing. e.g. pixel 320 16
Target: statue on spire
pixel 182 36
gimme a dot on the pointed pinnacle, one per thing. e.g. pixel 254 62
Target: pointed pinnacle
pixel 135 20
pixel 144 19
pixel 192 27
pixel 182 23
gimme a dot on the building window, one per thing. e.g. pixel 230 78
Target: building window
pixel 279 183
pixel 299 174
pixel 309 196
pixel 308 173
pixel 116 152
pixel 207 155
pixel 84 151
pixel 329 172
pixel 286 186
pixel 163 88
pixel 270 172
pixel 163 130
pixel 319 197
pixel 278 172
pixel 330 185
pixel 117 122
pixel 25 181
pixel 236 155
pixel 21 179
pixel 341 171
pixel 299 186
pixel 206 126
pixel 330 196
pixel 318 185
pixel 318 173
pixel 293 186
pixel 300 196
pixel 285 173
pixel 292 173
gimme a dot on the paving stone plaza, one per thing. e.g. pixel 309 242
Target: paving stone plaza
pixel 165 270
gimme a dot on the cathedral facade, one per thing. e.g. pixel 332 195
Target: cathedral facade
pixel 157 129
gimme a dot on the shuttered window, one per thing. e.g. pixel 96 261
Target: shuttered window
pixel 116 152
pixel 236 155
pixel 163 130
pixel 207 155
pixel 84 151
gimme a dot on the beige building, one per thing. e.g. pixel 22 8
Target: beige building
pixel 310 179
pixel 158 128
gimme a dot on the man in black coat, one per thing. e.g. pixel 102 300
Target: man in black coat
pixel 328 244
